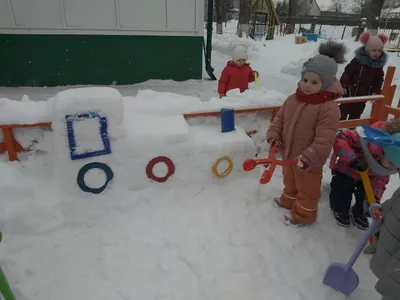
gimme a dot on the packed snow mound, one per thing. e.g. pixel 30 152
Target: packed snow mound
pixel 226 42
pixel 305 51
pixel 167 103
pixel 157 107
pixel 24 111
pixel 146 101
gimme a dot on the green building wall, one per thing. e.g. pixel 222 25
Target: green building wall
pixel 58 60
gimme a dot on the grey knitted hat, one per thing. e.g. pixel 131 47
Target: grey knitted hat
pixel 325 63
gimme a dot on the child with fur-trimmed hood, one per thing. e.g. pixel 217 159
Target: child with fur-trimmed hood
pixel 304 129
pixel 364 75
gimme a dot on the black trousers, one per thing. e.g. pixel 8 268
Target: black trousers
pixel 343 187
pixel 351 111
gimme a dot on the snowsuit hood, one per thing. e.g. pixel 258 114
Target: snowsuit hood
pixel 367 61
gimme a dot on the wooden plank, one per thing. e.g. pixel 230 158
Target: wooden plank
pixel 393 111
pixel 356 122
pixel 43 124
pixel 376 98
pixel 237 111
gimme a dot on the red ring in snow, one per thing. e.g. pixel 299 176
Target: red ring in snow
pixel 156 160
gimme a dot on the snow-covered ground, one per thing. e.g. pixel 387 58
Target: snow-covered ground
pixel 190 238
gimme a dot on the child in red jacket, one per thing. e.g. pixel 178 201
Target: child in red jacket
pixel 364 75
pixel 237 74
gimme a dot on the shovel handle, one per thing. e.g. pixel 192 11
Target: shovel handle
pixel 250 164
pixel 370 197
pixel 371 229
pixel 256 80
pixel 271 161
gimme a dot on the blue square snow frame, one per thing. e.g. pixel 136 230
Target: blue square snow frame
pixel 103 133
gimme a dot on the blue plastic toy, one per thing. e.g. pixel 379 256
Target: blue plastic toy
pixel 378 137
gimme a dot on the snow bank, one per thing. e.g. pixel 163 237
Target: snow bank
pixel 24 111
pixel 225 44
pixel 83 109
pixel 149 126
pixel 139 129
pixel 148 101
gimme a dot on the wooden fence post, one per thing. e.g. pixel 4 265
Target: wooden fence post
pixel 378 108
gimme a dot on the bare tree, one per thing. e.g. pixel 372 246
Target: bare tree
pixel 282 8
pixel 361 7
pixel 388 5
pixel 244 18
pixel 219 15
pixel 338 6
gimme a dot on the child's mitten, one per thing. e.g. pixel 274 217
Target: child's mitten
pixel 302 164
pixel 277 143
pixel 358 164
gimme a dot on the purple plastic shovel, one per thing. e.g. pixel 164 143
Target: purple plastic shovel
pixel 341 277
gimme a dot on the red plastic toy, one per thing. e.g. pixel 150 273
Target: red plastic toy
pixel 271 162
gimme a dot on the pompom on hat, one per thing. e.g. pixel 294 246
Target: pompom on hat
pixel 325 64
pixel 373 42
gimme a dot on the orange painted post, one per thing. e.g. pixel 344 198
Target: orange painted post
pixel 9 142
pixel 10 145
pixel 393 111
pixel 378 108
pixel 390 97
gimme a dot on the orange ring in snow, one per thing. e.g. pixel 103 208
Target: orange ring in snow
pixel 227 171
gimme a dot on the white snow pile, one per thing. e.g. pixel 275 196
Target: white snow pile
pixel 168 103
pixel 145 102
pixel 30 112
pixel 24 111
pixel 225 44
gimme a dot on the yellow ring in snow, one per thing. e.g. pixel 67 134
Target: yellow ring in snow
pixel 227 171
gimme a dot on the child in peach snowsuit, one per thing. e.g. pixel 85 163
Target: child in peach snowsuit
pixel 304 130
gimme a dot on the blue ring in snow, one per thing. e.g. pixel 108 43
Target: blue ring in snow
pixel 94 165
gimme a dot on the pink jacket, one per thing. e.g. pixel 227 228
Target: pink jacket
pixel 307 125
pixel 347 147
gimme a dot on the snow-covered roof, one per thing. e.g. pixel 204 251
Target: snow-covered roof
pixel 395 10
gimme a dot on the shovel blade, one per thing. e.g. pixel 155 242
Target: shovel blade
pixel 341 280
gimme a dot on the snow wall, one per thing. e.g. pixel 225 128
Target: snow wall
pixel 100 139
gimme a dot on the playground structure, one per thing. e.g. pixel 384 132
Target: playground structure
pixel 263 19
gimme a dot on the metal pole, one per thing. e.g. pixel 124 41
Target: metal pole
pixel 208 47
pixel 344 30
